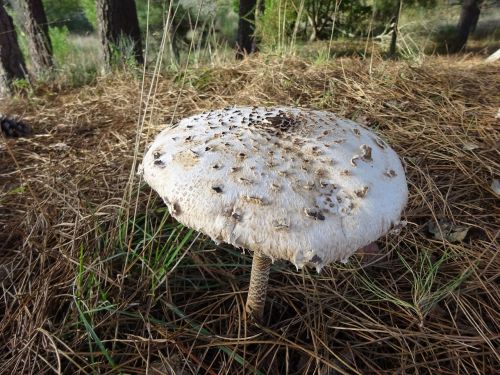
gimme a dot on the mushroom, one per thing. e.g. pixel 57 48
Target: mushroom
pixel 247 200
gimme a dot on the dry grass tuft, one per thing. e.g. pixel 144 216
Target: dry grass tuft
pixel 95 280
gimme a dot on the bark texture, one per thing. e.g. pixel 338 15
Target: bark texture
pixel 12 64
pixel 467 23
pixel 245 41
pixel 118 22
pixel 257 291
pixel 37 32
pixel 394 36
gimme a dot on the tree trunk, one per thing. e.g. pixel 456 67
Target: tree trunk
pixel 11 59
pixel 118 25
pixel 314 27
pixel 394 36
pixel 245 42
pixel 466 24
pixel 37 32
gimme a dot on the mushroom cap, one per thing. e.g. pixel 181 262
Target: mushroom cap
pixel 295 184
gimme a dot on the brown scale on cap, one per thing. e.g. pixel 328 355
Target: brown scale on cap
pixel 346 209
pixel 362 192
pixel 390 173
pixel 281 224
pixel 246 181
pixel 275 187
pixel 175 209
pixel 380 143
pixel 217 188
pixel 321 173
pixel 283 173
pixel 187 158
pixel 309 185
pixel 366 153
pixel 323 183
pixel 159 163
pixel 314 214
pixel 254 200
pixel 236 215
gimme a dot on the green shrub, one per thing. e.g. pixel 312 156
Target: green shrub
pixel 89 10
pixel 276 24
pixel 226 21
pixel 157 10
pixel 283 20
pixel 355 18
pixel 60 46
pixel 68 13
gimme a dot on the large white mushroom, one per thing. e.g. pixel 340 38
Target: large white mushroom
pixel 286 183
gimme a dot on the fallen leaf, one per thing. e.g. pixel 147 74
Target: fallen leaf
pixel 446 230
pixel 392 103
pixel 458 234
pixel 59 146
pixel 469 146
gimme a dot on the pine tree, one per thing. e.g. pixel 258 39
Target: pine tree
pixel 37 32
pixel 118 24
pixel 12 64
pixel 467 23
pixel 245 41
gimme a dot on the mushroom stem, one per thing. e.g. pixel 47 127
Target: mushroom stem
pixel 257 291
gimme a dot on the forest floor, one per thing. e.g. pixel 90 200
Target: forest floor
pixel 95 277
